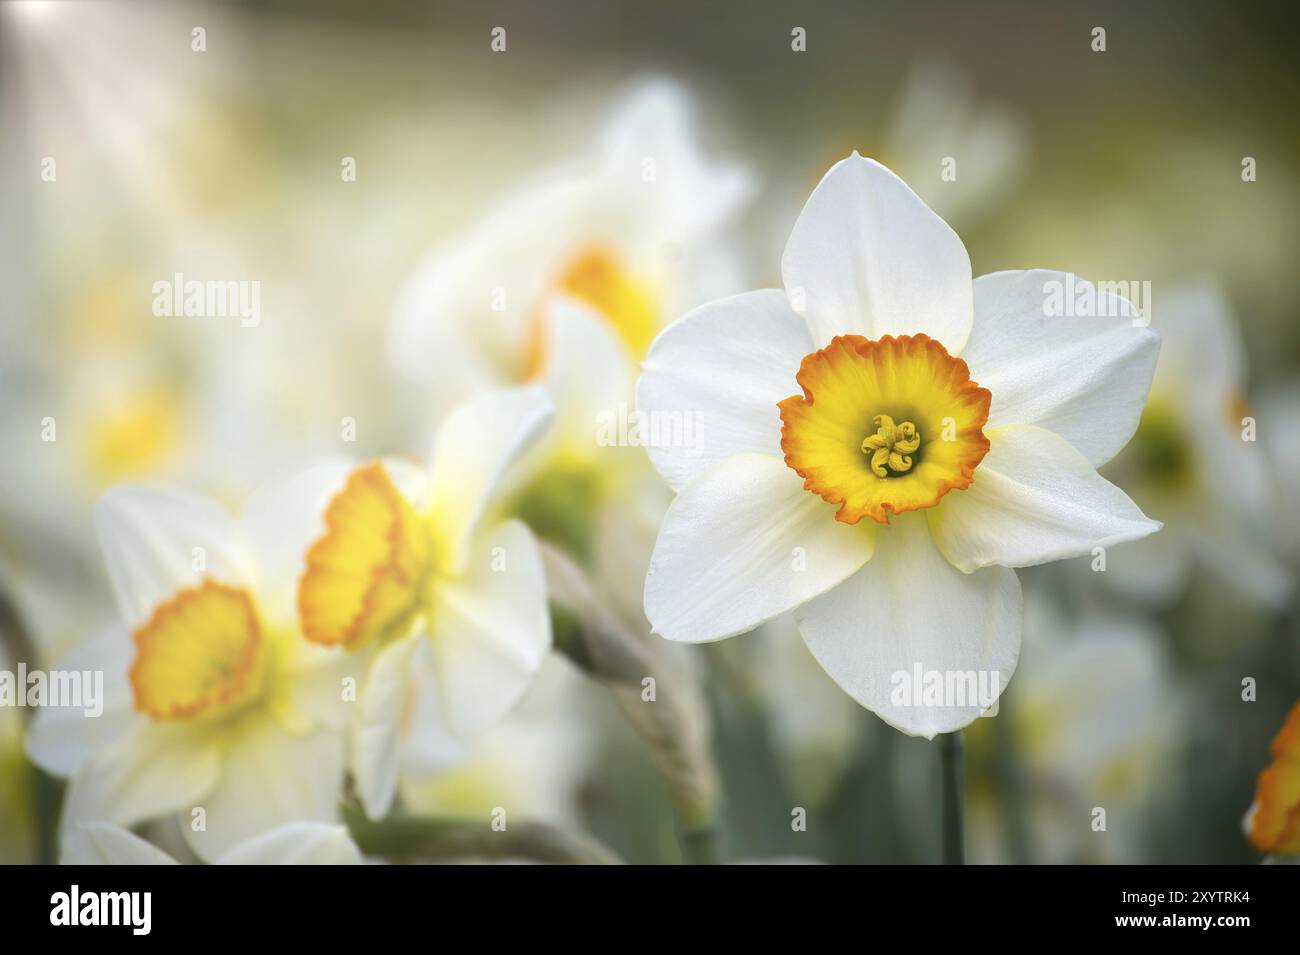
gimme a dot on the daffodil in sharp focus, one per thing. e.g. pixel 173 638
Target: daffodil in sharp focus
pixel 882 442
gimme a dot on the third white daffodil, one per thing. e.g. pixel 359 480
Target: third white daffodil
pixel 624 229
pixel 854 469
pixel 405 568
pixel 214 709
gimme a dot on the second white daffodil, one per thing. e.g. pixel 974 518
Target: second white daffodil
pixel 854 469
pixel 449 607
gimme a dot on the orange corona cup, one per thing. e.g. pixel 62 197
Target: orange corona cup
pixel 1274 821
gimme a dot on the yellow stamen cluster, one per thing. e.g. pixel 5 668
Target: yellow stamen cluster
pixel 892 446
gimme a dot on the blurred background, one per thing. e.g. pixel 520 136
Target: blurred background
pixel 1122 165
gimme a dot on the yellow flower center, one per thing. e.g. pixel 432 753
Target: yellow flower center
pixel 366 573
pixel 884 426
pixel 1162 450
pixel 201 654
pixel 133 436
pixel 597 277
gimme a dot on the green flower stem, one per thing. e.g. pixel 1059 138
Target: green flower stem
pixel 401 838
pixel 1010 778
pixel 674 722
pixel 43 792
pixel 950 753
pixel 698 839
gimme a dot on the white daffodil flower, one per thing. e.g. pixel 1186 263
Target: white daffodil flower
pixel 298 843
pixel 1196 463
pixel 844 398
pixel 444 604
pixel 624 230
pixel 215 708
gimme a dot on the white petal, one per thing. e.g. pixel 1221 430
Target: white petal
pixel 1086 378
pixel 1202 345
pixel 1234 471
pixel 270 779
pixel 281 520
pixel 937 113
pixel 1034 498
pixel 587 376
pixel 376 745
pixel 61 738
pixel 148 773
pixel 710 384
pixel 743 543
pixel 475 445
pixel 427 746
pixel 691 193
pixel 98 843
pixel 298 843
pixel 149 539
pixel 316 678
pixel 446 340
pixel 867 257
pixel 908 609
pixel 461 324
pixel 490 630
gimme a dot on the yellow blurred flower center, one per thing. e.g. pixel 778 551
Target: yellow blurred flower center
pixel 132 437
pixel 201 654
pixel 855 434
pixel 366 573
pixel 1162 448
pixel 596 276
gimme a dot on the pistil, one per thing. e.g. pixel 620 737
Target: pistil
pixel 892 446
